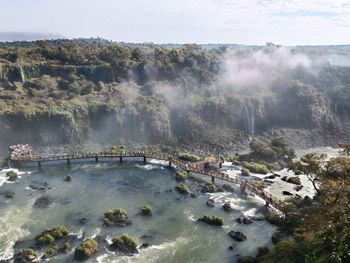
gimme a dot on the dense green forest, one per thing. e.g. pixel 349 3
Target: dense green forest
pixel 70 91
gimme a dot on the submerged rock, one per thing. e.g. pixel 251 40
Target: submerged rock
pixel 43 202
pixel 227 207
pixel 227 187
pixel 144 245
pixel 39 186
pixel 237 235
pixel 211 203
pixel 83 221
pixel 8 194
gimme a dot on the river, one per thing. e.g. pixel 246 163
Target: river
pixel 172 230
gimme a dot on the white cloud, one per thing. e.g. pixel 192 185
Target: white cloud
pixel 215 21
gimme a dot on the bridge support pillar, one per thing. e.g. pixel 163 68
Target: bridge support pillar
pixel 220 165
pixel 68 161
pixel 169 163
pixel 96 159
pixel 144 159
pixel 120 158
pixel 39 165
pixel 213 179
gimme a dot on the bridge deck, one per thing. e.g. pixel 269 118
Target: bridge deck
pixel 190 167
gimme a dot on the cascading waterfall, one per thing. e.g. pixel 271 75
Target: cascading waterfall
pixel 23 77
pixel 250 116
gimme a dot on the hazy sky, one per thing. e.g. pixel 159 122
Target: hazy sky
pixel 286 22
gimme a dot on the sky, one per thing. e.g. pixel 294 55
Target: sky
pixel 255 22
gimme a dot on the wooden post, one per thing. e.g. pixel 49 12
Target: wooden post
pixel 120 158
pixel 213 179
pixel 96 159
pixel 144 159
pixel 169 163
pixel 220 165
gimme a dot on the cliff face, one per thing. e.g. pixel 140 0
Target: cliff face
pixel 69 94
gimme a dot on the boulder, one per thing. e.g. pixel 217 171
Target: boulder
pixel 144 245
pixel 116 217
pixel 227 207
pixel 294 180
pixel 227 187
pixel 124 243
pixel 246 221
pixel 211 203
pixel 284 178
pixel 237 235
pixel 298 188
pixel 212 220
pixel 43 202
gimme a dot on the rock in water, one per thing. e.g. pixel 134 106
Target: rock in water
pixel 43 202
pixel 294 180
pixel 144 245
pixel 246 221
pixel 238 236
pixel 286 193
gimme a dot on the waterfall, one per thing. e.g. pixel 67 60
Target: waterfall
pixel 23 78
pixel 250 116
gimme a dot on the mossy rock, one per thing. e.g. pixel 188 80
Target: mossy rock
pixel 52 251
pixel 181 176
pixel 67 246
pixel 212 220
pixel 26 255
pixel 294 180
pixel 245 172
pixel 117 217
pixel 12 176
pixel 188 157
pixel 48 236
pixel 124 243
pixel 256 167
pixel 68 178
pixel 182 189
pixel 146 210
pixel 227 207
pixel 209 188
pixel 86 249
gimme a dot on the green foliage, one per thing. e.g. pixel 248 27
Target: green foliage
pixel 12 175
pixel 188 157
pixel 146 210
pixel 209 188
pixel 285 251
pixel 86 249
pixel 52 251
pixel 46 240
pixel 245 172
pixel 49 235
pixel 182 189
pixel 67 245
pixel 256 167
pixel 116 213
pixel 125 243
pixel 30 251
pixel 68 178
pixel 181 176
pixel 212 220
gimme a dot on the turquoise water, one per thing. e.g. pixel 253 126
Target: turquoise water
pixel 175 236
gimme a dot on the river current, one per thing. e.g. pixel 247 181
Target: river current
pixel 172 230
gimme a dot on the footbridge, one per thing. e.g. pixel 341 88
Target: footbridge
pixel 193 167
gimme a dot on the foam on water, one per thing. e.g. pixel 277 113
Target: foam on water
pixel 159 162
pixel 147 167
pixel 12 229
pixel 150 254
pixel 3 177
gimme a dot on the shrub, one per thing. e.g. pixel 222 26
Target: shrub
pixel 51 252
pixel 119 213
pixel 146 210
pixel 209 188
pixel 256 167
pixel 12 175
pixel 245 172
pixel 124 243
pixel 181 176
pixel 227 207
pixel 188 157
pixel 182 189
pixel 46 240
pixel 49 235
pixel 67 245
pixel 68 178
pixel 212 220
pixel 86 249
